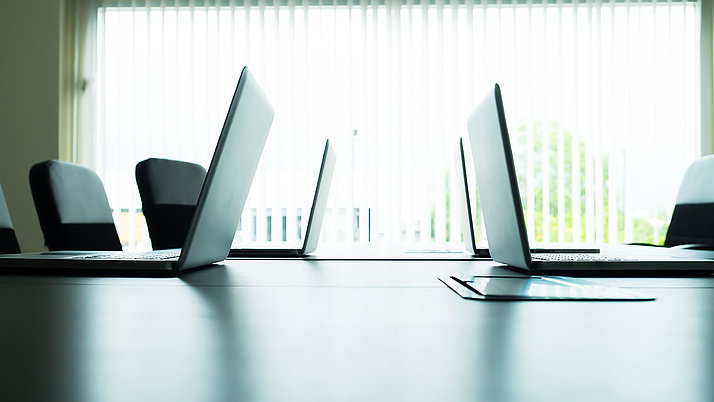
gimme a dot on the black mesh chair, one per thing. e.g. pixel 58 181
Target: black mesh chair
pixel 8 240
pixel 693 217
pixel 169 191
pixel 72 207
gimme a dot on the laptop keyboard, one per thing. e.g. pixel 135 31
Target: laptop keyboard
pixel 578 257
pixel 145 255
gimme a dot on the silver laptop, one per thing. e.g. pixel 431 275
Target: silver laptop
pixel 505 225
pixel 467 223
pixel 314 221
pixel 219 206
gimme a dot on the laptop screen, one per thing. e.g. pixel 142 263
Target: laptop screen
pixel 497 182
pixel 467 221
pixel 229 176
pixel 319 201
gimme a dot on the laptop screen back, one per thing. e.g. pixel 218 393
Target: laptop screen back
pixel 229 176
pixel 467 221
pixel 497 182
pixel 319 202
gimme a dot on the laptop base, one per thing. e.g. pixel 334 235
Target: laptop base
pixel 614 269
pixel 265 253
pixel 484 253
pixel 10 266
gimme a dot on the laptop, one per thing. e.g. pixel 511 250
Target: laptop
pixel 467 224
pixel 219 206
pixel 505 223
pixel 314 221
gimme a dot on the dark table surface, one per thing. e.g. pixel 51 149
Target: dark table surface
pixel 260 330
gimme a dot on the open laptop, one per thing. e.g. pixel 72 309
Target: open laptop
pixel 505 224
pixel 314 221
pixel 467 223
pixel 219 206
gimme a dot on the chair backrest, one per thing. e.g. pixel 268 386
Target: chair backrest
pixel 169 191
pixel 693 217
pixel 8 240
pixel 72 207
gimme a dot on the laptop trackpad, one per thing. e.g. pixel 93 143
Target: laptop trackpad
pixel 540 288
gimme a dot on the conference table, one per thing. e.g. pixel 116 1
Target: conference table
pixel 347 330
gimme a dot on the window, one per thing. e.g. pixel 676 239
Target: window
pixel 602 100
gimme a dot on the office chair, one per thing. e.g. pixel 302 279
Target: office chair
pixel 169 191
pixel 8 240
pixel 693 217
pixel 72 207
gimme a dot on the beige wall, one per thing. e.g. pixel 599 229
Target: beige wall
pixel 29 103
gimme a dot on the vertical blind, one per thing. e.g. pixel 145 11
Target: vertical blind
pixel 601 97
